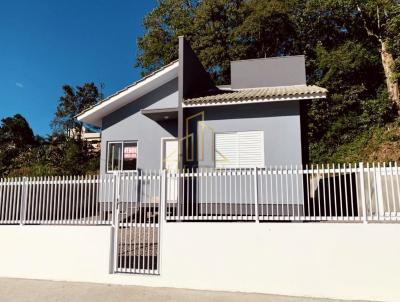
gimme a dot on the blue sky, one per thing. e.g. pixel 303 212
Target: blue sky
pixel 45 44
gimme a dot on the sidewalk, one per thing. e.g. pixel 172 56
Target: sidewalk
pixel 21 290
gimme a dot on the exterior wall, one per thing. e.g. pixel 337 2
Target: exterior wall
pixel 280 122
pixel 128 123
pixel 267 72
pixel 167 96
pixel 343 261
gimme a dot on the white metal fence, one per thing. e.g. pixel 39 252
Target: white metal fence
pixel 348 192
pixel 57 200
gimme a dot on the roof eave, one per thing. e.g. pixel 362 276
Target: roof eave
pixel 95 114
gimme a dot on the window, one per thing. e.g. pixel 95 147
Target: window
pixel 114 156
pixel 130 156
pixel 122 156
pixel 239 149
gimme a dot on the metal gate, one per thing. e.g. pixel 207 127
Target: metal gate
pixel 137 223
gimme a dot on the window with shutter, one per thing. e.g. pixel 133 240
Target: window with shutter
pixel 239 149
pixel 226 150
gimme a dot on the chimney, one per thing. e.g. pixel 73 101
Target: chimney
pixel 268 72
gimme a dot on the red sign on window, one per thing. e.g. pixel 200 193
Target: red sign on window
pixel 130 152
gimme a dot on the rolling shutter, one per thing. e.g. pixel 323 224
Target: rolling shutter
pixel 239 149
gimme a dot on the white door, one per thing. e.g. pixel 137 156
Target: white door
pixel 169 161
pixel 170 154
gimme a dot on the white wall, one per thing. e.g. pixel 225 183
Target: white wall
pixel 347 261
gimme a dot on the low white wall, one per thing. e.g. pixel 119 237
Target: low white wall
pixel 347 261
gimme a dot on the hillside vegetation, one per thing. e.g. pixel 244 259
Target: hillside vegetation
pixel 379 144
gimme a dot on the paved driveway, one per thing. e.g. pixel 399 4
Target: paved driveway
pixel 21 290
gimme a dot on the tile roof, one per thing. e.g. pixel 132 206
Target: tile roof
pixel 258 94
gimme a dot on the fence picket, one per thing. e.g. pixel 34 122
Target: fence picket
pixel 326 192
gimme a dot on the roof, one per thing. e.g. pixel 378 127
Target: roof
pixel 256 95
pixel 94 114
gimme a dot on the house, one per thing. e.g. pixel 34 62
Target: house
pixel 177 118
pixel 92 137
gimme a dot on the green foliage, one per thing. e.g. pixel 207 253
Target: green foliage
pixel 62 153
pixel 15 132
pixel 58 155
pixel 376 144
pixel 268 28
pixel 392 137
pixel 167 21
pixel 215 21
pixel 72 103
pixel 350 152
pixel 392 27
pixel 15 137
pixel 377 111
pixel 349 73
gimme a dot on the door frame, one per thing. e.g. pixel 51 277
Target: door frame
pixel 163 140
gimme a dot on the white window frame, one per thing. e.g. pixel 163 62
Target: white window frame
pixel 229 132
pixel 122 142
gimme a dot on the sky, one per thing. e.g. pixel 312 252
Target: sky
pixel 45 44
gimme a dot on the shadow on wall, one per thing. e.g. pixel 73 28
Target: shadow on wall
pixel 334 196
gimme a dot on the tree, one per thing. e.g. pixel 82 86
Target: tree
pixel 355 102
pixel 56 155
pixel 379 17
pixel 73 102
pixel 16 136
pixel 377 21
pixel 23 154
pixel 215 39
pixel 269 28
pixel 165 23
pixel 15 132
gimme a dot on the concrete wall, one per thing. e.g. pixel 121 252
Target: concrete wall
pixel 128 123
pixel 345 261
pixel 280 122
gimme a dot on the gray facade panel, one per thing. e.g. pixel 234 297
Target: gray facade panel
pixel 129 124
pixel 268 72
pixel 167 96
pixel 280 122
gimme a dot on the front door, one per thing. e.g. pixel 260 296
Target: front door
pixel 170 154
pixel 169 162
